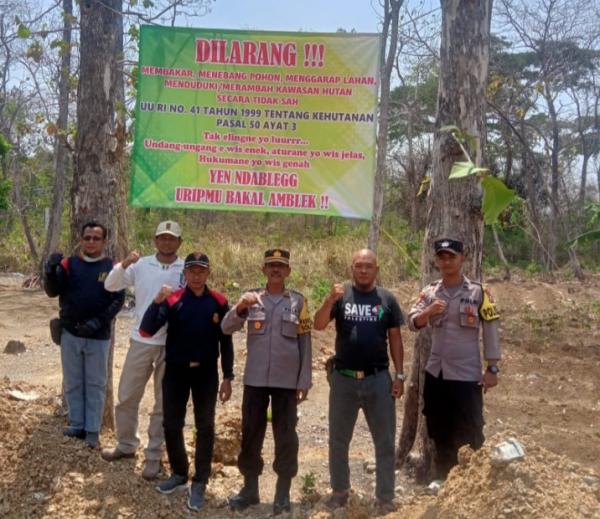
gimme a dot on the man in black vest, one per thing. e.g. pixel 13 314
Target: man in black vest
pixel 87 311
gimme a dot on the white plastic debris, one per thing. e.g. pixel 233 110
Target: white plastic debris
pixel 507 451
pixel 434 487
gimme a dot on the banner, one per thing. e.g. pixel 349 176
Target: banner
pixel 256 121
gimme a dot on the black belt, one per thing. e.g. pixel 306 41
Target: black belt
pixel 357 373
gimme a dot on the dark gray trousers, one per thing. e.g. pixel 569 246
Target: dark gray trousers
pixel 373 395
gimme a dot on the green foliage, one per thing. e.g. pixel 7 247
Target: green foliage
pixel 496 198
pixel 23 31
pixel 5 189
pixel 465 169
pixel 309 484
pixel 5 146
pixel 319 291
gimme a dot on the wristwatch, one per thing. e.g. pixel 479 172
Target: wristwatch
pixel 493 369
pixel 400 376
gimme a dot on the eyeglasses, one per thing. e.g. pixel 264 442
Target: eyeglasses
pixel 92 238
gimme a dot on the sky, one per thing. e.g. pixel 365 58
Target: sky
pixel 294 15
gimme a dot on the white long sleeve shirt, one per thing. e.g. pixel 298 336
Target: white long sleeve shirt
pixel 146 276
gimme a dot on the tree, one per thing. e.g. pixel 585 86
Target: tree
pixel 453 208
pixel 390 27
pixel 96 146
pixel 61 151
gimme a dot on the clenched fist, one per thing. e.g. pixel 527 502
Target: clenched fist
pixel 165 291
pixel 337 292
pixel 133 257
pixel 247 300
pixel 437 306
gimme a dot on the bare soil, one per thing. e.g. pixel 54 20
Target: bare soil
pixel 548 398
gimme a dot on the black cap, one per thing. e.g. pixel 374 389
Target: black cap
pixel 277 256
pixel 448 245
pixel 196 258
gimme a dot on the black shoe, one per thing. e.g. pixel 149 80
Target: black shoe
pixel 241 501
pixel 175 482
pixel 246 497
pixel 281 502
pixel 282 505
pixel 92 440
pixel 196 496
pixel 72 432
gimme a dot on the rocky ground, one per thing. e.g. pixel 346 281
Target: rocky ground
pixel 548 398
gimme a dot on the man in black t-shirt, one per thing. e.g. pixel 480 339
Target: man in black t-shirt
pixel 367 317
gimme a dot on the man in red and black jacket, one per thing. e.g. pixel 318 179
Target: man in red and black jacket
pixel 194 342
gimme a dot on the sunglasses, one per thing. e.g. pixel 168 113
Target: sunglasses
pixel 92 238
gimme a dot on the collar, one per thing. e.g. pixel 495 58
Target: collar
pixel 153 260
pixel 206 291
pixel 87 259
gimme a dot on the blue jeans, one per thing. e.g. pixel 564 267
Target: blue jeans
pixel 373 394
pixel 84 364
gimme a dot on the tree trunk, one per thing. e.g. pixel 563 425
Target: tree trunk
pixel 501 253
pixel 20 204
pixel 61 154
pixel 121 135
pixel 554 181
pixel 454 207
pixel 391 16
pixel 96 150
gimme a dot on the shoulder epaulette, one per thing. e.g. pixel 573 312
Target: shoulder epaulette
pixel 296 292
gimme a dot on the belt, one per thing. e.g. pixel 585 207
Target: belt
pixel 358 374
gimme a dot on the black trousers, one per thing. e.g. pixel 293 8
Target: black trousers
pixel 178 382
pixel 254 425
pixel 454 413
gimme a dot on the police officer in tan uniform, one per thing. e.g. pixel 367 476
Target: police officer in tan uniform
pixel 278 370
pixel 456 309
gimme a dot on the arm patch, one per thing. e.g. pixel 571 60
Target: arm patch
pixel 305 324
pixel 487 310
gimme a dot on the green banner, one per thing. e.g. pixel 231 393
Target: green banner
pixel 256 121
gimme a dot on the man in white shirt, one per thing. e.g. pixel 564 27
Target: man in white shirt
pixel 146 355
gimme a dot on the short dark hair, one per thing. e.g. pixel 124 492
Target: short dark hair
pixel 91 225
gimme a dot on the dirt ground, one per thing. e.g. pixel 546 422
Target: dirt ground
pixel 548 398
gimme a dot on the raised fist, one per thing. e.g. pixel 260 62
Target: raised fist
pixel 132 257
pixel 54 259
pixel 164 292
pixel 247 300
pixel 337 292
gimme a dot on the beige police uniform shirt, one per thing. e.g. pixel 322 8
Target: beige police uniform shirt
pixel 278 340
pixel 455 349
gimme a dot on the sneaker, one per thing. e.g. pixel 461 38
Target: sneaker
pixel 175 482
pixel 151 469
pixel 337 500
pixel 196 496
pixel 72 432
pixel 92 440
pixel 242 501
pixel 247 496
pixel 115 454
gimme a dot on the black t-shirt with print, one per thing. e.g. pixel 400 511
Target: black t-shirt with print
pixel 362 321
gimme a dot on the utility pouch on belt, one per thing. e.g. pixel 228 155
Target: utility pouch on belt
pixel 55 330
pixel 329 365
